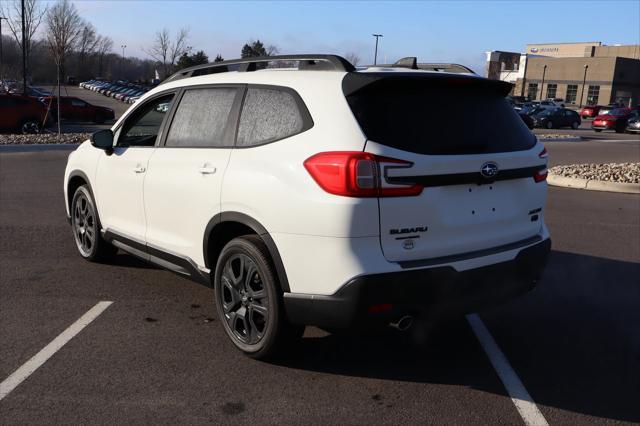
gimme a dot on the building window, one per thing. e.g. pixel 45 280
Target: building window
pixel 572 93
pixel 532 91
pixel 551 91
pixel 592 95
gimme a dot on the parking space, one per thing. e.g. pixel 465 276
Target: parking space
pixel 158 352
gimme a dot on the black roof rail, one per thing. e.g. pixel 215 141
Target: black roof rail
pixel 411 62
pixel 455 68
pixel 305 62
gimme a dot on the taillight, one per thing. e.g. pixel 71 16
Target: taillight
pixel 357 174
pixel 543 153
pixel 541 175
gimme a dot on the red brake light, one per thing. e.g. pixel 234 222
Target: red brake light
pixel 541 175
pixel 356 174
pixel 543 153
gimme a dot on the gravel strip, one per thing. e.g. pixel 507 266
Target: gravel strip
pixel 43 138
pixel 543 136
pixel 611 172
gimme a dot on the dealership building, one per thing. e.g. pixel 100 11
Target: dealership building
pixel 580 73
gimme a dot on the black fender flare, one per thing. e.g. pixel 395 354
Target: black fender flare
pixel 80 174
pixel 257 227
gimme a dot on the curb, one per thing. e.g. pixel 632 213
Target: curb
pixel 593 185
pixel 38 147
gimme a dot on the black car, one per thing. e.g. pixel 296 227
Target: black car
pixel 554 118
pixel 633 123
pixel 527 120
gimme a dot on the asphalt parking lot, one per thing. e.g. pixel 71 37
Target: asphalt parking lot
pixel 157 353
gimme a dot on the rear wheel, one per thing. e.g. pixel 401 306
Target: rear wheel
pixel 549 124
pixel 86 227
pixel 249 299
pixel 597 130
pixel 98 119
pixel 575 125
pixel 30 126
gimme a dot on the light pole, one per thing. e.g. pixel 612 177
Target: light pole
pixel 584 80
pixel 124 46
pixel 1 56
pixel 375 55
pixel 544 71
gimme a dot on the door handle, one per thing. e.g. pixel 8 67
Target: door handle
pixel 207 169
pixel 139 169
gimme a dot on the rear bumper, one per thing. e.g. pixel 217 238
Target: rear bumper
pixel 431 292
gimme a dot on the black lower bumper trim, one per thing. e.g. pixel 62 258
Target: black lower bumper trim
pixel 430 292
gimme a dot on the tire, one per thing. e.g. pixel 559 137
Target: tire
pixel 549 124
pixel 575 125
pixel 85 225
pixel 98 119
pixel 597 130
pixel 620 129
pixel 249 301
pixel 30 126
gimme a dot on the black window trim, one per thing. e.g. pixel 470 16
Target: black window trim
pixel 307 120
pixel 231 128
pixel 161 132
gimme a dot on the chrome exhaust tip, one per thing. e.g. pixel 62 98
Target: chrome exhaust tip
pixel 403 324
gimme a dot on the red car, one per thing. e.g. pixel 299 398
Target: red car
pixel 22 113
pixel 590 111
pixel 616 120
pixel 76 109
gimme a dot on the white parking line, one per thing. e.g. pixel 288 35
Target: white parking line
pixel 519 395
pixel 18 376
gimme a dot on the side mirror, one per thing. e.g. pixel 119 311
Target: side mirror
pixel 103 139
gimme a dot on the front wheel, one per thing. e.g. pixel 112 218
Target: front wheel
pixel 249 299
pixel 86 227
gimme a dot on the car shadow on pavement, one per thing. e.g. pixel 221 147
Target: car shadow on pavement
pixel 574 342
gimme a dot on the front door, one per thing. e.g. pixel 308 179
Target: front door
pixel 120 176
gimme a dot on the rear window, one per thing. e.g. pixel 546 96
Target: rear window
pixel 438 116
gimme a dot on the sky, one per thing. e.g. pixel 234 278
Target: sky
pixel 434 31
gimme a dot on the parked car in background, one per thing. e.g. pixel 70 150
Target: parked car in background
pixel 551 104
pixel 76 109
pixel 555 118
pixel 590 111
pixel 633 123
pixel 22 113
pixel 527 107
pixel 527 120
pixel 615 119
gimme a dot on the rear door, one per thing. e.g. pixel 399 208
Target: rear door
pixel 471 153
pixel 182 188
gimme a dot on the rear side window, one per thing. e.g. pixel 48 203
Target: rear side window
pixel 439 117
pixel 269 115
pixel 201 118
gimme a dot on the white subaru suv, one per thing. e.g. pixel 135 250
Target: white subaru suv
pixel 307 192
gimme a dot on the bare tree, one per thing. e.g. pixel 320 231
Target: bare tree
pixel 167 52
pixel 272 50
pixel 353 58
pixel 64 26
pixel 87 44
pixel 33 14
pixel 104 45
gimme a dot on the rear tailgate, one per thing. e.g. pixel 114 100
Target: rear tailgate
pixel 470 151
